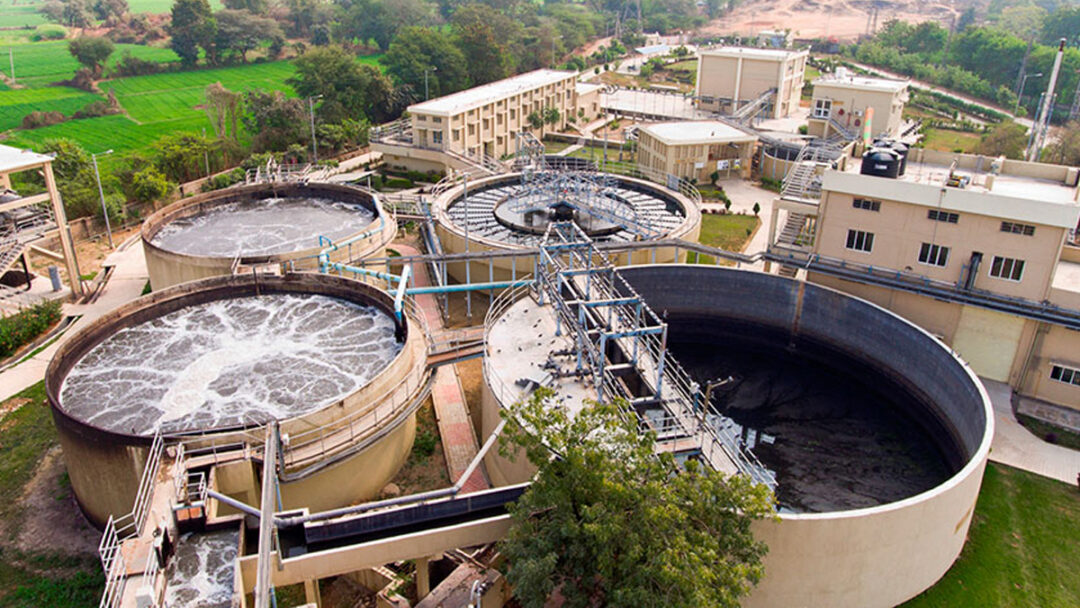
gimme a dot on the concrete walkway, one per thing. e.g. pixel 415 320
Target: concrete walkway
pixel 743 195
pixel 1017 447
pixel 459 441
pixel 126 283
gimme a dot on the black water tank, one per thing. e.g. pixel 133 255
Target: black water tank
pixel 896 146
pixel 881 162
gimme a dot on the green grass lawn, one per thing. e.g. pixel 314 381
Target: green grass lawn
pixel 42 63
pixel 950 141
pixel 811 73
pixel 1023 547
pixel 20 14
pixel 730 232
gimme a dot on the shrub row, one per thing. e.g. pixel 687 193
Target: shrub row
pixel 26 325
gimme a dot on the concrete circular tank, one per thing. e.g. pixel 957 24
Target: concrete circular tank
pixel 493 220
pixel 881 554
pixel 274 223
pixel 209 363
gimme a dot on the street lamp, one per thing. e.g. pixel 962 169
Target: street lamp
pixel 311 113
pixel 1023 83
pixel 101 193
pixel 426 71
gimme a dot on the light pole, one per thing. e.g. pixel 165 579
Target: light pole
pixel 427 70
pixel 101 193
pixel 206 154
pixel 1023 83
pixel 311 114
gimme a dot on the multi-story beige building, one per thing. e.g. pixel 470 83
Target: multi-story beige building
pixel 843 102
pixel 695 150
pixel 981 253
pixel 731 77
pixel 480 124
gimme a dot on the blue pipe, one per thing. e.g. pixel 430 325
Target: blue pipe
pixel 469 287
pixel 399 298
pixel 364 271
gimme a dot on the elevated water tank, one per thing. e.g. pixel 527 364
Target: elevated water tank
pixel 882 162
pixel 896 146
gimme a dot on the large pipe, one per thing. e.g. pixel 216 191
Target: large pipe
pixel 1048 102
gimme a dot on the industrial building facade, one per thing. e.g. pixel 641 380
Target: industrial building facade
pixel 730 77
pixel 695 150
pixel 1008 236
pixel 843 103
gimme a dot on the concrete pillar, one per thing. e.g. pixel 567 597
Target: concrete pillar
pixel 738 85
pixel 423 577
pixel 312 595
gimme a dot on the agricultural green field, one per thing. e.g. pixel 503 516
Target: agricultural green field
pixel 20 14
pixel 15 104
pixel 117 132
pixel 42 63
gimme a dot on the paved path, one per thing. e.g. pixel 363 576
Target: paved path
pixel 1015 446
pixel 126 283
pixel 451 413
pixel 743 195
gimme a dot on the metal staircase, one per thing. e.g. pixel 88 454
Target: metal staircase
pixel 747 112
pixel 803 181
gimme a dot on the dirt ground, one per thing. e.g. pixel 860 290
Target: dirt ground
pixel 845 19
pixel 90 253
pixel 51 521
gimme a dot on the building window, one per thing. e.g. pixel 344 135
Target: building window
pixel 869 205
pixel 1007 268
pixel 1015 228
pixel 436 137
pixel 943 216
pixel 436 119
pixel 1068 375
pixel 934 255
pixel 860 241
pixel 822 108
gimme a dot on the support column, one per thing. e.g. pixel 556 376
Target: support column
pixel 66 246
pixel 312 595
pixel 423 578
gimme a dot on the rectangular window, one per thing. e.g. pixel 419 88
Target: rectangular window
pixel 1007 268
pixel 869 205
pixel 943 216
pixel 934 255
pixel 436 137
pixel 1015 228
pixel 822 108
pixel 437 119
pixel 1068 375
pixel 860 241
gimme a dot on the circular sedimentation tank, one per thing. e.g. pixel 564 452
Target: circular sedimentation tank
pixel 876 432
pixel 287 224
pixel 212 362
pixel 511 212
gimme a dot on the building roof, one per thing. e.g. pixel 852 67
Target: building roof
pixel 477 96
pixel 697 132
pixel 1012 197
pixel 584 88
pixel 847 80
pixel 654 49
pixel 16 159
pixel 753 53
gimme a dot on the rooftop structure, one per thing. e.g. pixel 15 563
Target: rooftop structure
pixel 696 149
pixel 729 78
pixel 476 97
pixel 844 102
pixel 697 132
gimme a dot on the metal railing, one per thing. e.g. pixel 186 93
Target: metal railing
pixel 504 394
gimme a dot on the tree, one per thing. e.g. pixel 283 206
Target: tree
pixel 1007 138
pixel 349 89
pixel 74 172
pixel 148 185
pixel 110 9
pixel 1065 147
pixel 91 51
pixel 967 19
pixel 417 50
pixel 181 156
pixel 609 521
pixel 255 7
pixel 551 116
pixel 223 110
pixel 486 57
pixel 192 27
pixel 274 120
pixel 76 13
pixel 536 121
pixel 241 32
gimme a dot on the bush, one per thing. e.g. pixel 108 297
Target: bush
pixel 49 31
pixel 225 180
pixel 772 184
pixel 95 109
pixel 26 325
pixel 36 120
pixel 133 66
pixel 149 185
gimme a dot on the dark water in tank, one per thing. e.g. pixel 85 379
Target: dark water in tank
pixel 835 439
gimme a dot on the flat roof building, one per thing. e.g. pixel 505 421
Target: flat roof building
pixel 479 124
pixel 696 149
pixel 981 252
pixel 731 77
pixel 843 103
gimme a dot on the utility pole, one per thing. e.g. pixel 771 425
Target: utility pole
pixel 206 154
pixel 426 71
pixel 1023 66
pixel 311 114
pixel 101 193
pixel 1043 123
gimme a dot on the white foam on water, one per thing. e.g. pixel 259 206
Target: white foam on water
pixel 230 362
pixel 262 227
pixel 200 574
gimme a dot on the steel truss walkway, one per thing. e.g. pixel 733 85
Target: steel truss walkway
pixel 622 345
